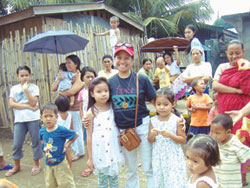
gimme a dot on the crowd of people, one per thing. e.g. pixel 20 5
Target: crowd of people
pixel 96 108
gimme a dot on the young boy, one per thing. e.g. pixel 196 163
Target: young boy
pixel 162 73
pixel 232 152
pixel 114 33
pixel 199 105
pixel 57 170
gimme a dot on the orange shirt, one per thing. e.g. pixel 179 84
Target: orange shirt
pixel 199 117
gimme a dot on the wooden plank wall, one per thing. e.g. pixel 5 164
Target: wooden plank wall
pixel 44 67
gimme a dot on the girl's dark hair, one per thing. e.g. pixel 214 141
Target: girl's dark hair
pixel 192 28
pixel 87 69
pixel 92 85
pixel 109 57
pixel 23 68
pixel 49 106
pixel 75 59
pixel 63 67
pixel 224 120
pixel 62 102
pixel 169 94
pixel 209 149
pixel 169 54
pixel 194 83
pixel 235 41
pixel 145 60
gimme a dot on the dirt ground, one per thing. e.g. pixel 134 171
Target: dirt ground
pixel 24 180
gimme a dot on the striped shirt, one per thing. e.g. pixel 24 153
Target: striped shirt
pixel 232 154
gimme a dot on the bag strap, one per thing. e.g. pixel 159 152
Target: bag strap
pixel 137 97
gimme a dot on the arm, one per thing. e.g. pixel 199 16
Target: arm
pixel 56 82
pixel 69 142
pixel 152 133
pixel 71 124
pixel 177 55
pixel 101 34
pixel 237 115
pixel 205 107
pixel 117 32
pixel 81 112
pixel 189 79
pixel 31 99
pixel 89 140
pixel 179 138
pixel 78 84
pixel 166 69
pixel 19 106
pixel 225 89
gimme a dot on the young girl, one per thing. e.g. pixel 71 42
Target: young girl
pixel 214 110
pixel 87 74
pixel 199 104
pixel 104 152
pixel 202 153
pixel 190 33
pixel 166 134
pixel 24 101
pixel 108 71
pixel 64 119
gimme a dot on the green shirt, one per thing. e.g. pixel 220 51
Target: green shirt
pixel 149 74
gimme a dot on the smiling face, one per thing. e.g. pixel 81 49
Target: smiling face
pixel 194 162
pixel 124 62
pixel 23 76
pixel 168 59
pixel 163 106
pixel 200 86
pixel 49 119
pixel 101 93
pixel 234 52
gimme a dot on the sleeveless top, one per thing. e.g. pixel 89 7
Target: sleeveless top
pixel 65 123
pixel 206 179
pixel 113 37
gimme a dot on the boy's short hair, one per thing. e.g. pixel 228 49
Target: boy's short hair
pixel 224 120
pixel 49 106
pixel 194 83
pixel 114 18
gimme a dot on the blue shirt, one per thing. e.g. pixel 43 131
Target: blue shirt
pixel 174 68
pixel 123 93
pixel 53 143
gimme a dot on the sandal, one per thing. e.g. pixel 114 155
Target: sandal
pixel 245 184
pixel 11 172
pixel 35 171
pixel 76 157
pixel 86 173
pixel 7 167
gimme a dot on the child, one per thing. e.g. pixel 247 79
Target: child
pixel 214 110
pixel 57 170
pixel 108 71
pixel 104 152
pixel 66 81
pixel 232 152
pixel 202 153
pixel 199 105
pixel 166 134
pixel 162 72
pixel 114 33
pixel 24 101
pixel 64 119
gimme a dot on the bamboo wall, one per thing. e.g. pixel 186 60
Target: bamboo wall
pixel 44 67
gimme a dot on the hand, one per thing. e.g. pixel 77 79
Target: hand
pixel 235 115
pixel 34 108
pixel 175 48
pixel 94 33
pixel 25 85
pixel 166 134
pixel 90 164
pixel 60 76
pixel 238 91
pixel 86 122
pixel 154 132
pixel 182 122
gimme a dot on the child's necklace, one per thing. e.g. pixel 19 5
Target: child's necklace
pixel 125 104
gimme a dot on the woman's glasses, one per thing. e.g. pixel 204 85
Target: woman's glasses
pixel 127 45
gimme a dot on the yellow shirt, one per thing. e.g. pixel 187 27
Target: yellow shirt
pixel 163 75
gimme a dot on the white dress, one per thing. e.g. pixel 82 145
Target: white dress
pixel 168 161
pixel 206 179
pixel 106 151
pixel 65 123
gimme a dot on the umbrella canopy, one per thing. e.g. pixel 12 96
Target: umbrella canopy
pixel 164 44
pixel 55 42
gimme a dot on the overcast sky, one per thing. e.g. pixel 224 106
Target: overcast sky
pixel 227 7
